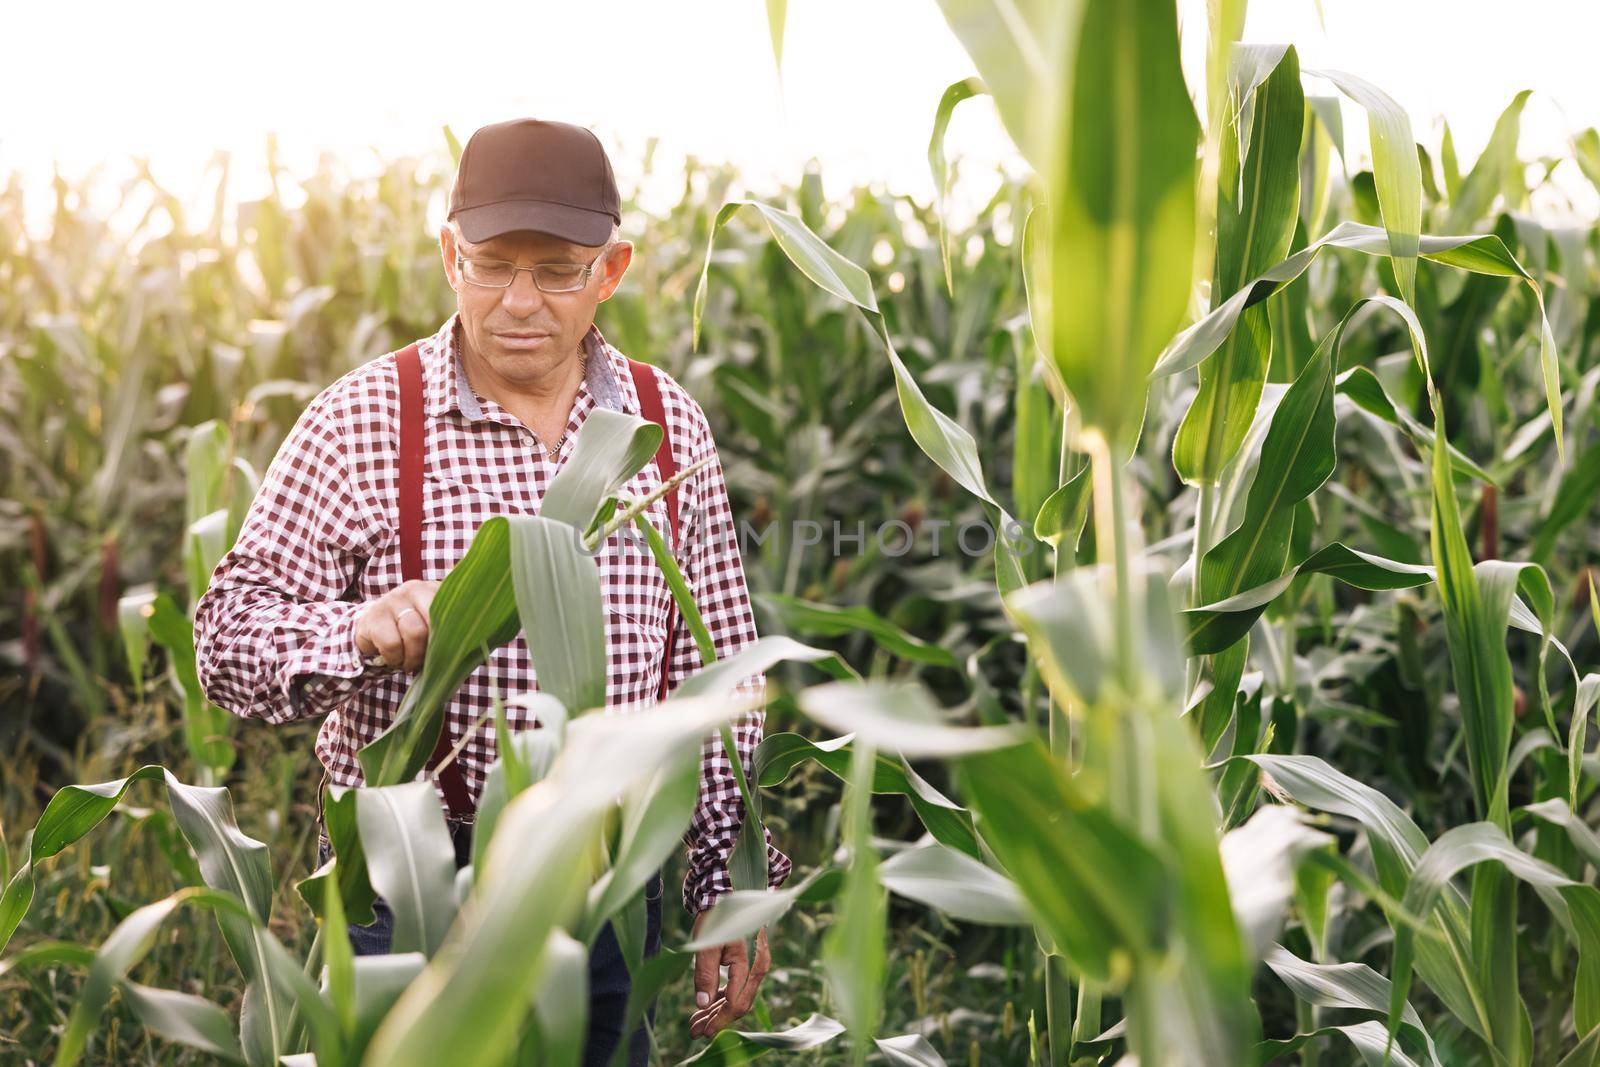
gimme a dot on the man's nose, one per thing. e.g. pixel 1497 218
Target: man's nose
pixel 522 297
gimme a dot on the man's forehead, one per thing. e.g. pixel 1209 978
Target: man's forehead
pixel 533 243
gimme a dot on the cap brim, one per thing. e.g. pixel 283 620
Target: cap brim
pixel 578 225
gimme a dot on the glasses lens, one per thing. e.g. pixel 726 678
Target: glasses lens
pixel 488 271
pixel 559 277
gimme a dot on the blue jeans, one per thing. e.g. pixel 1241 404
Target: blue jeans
pixel 609 982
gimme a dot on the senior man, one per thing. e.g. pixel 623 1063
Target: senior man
pixel 321 607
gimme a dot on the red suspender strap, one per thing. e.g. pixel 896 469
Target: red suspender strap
pixel 412 443
pixel 644 383
pixel 413 429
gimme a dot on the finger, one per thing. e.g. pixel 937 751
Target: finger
pixel 414 632
pixel 738 961
pixel 364 642
pixel 701 1022
pixel 414 594
pixel 705 975
pixel 763 962
pixel 744 998
pixel 723 1019
pixel 387 637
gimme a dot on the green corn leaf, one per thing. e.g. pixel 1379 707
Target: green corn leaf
pixel 654 819
pixel 1218 625
pixel 410 861
pixel 747 866
pixel 1369 1039
pixel 128 943
pixel 1121 211
pixel 72 812
pixel 522 758
pixel 739 914
pixel 205 726
pixel 1259 859
pixel 1096 890
pixel 1364 390
pixel 954 883
pixel 338 955
pixel 1070 635
pixel 378 982
pixel 1396 172
pixel 1258 203
pixel 1573 500
pixel 467 1005
pixel 1297 456
pixel 758 657
pixel 185 1019
pixel 965 89
pixel 813 619
pixel 899 717
pixel 941 438
pixel 854 951
pixel 1468 846
pixel 1036 451
pixel 133 625
pixel 908 1050
pixel 562 609
pixel 1483 183
pixel 561 1006
pixel 611 448
pixel 47 953
pixel 948 822
pixel 1583 705
pixel 1021 49
pixel 1396 845
pixel 475 609
pixel 1556 812
pixel 1062 515
pixel 732 1047
pixel 344 834
pixel 777 16
pixel 1352 986
pixel 1479 254
pixel 237 864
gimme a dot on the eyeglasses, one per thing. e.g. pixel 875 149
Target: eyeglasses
pixel 549 277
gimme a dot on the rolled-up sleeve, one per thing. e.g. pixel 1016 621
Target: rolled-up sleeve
pixel 275 633
pixel 712 566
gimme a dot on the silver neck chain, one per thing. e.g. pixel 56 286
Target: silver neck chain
pixel 583 369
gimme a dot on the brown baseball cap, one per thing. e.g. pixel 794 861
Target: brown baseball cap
pixel 532 174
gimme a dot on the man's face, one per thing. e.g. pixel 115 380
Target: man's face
pixel 522 332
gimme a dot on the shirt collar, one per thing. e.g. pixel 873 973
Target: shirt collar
pixel 446 386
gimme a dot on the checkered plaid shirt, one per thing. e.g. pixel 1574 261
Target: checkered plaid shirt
pixel 275 632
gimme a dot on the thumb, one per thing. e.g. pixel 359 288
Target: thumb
pixel 706 962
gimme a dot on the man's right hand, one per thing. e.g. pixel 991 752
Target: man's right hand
pixel 396 626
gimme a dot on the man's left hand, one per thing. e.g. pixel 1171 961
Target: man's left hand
pixel 717 1008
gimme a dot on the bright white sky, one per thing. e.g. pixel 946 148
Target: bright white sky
pixel 174 80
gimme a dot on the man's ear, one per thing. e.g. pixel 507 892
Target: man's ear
pixel 447 252
pixel 617 261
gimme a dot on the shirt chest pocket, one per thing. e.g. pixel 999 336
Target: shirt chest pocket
pixel 452 511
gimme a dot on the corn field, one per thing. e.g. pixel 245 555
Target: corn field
pixel 1257 734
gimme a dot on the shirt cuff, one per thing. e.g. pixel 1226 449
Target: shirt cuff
pixel 321 672
pixel 702 889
